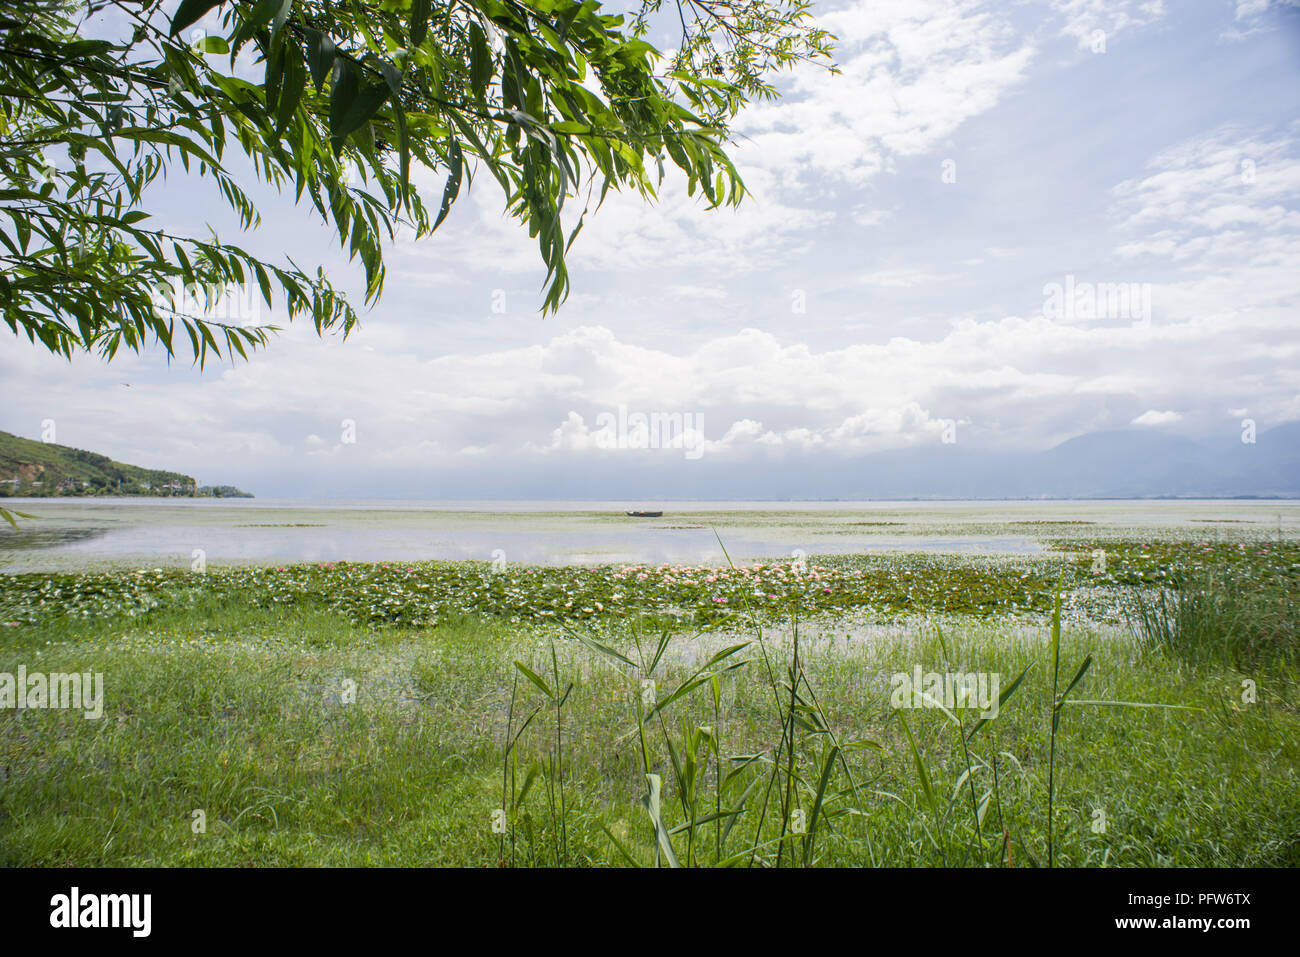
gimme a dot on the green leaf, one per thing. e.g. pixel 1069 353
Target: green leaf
pixel 1056 635
pixel 1078 676
pixel 819 800
pixel 295 81
pixel 9 516
pixel 419 21
pixel 651 803
pixel 602 649
pixel 480 60
pixel 211 44
pixel 393 77
pixel 1006 693
pixel 700 676
pixel 261 16
pixel 455 162
pixel 1132 704
pixel 535 678
pixel 922 774
pixel 281 18
pixel 350 108
pixel 321 53
pixel 191 11
pixel 621 849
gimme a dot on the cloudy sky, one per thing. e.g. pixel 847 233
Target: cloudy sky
pixel 915 265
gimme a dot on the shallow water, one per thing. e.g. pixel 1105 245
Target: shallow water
pixel 90 533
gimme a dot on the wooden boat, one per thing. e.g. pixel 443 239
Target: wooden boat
pixel 634 513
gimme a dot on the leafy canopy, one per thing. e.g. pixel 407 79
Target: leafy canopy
pixel 556 100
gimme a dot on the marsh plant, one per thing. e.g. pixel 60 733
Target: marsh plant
pixel 787 792
pixel 707 803
pixel 1224 618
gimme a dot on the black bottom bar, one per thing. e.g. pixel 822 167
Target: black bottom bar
pixel 332 907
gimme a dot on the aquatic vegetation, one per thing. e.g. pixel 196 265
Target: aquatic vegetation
pixel 427 593
pixel 1158 562
pixel 886 587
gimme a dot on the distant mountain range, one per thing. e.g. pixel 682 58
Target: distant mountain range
pixel 1121 464
pixel 1124 464
pixel 42 469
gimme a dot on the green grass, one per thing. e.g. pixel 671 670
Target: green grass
pixel 1223 619
pixel 228 694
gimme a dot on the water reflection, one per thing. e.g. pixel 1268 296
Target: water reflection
pixel 33 535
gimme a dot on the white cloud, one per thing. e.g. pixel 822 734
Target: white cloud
pixel 1082 19
pixel 912 71
pixel 1219 216
pixel 899 277
pixel 1013 381
pixel 870 217
pixel 1250 16
pixel 1154 417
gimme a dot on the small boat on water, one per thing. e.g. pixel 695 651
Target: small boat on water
pixel 637 513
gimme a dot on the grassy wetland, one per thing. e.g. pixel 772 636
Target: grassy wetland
pixel 1132 701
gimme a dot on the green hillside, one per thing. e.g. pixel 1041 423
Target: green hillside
pixel 40 469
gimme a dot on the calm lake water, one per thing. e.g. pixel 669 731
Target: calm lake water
pixel 91 533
